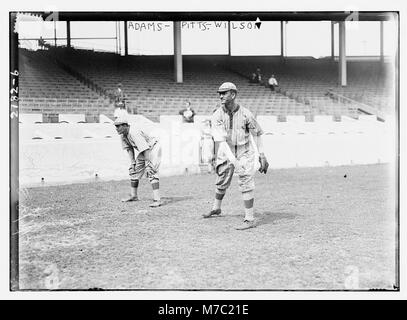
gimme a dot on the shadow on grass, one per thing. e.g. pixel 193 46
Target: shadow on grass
pixel 269 217
pixel 170 200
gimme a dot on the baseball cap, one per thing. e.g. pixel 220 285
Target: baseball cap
pixel 119 121
pixel 120 117
pixel 226 86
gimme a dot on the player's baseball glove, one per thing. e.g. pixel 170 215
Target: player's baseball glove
pixel 264 165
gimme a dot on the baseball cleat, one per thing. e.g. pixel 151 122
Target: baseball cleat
pixel 212 213
pixel 129 199
pixel 246 225
pixel 155 204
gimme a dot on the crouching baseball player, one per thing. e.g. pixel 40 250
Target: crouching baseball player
pixel 232 126
pixel 144 152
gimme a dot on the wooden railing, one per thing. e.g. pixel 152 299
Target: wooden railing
pixel 357 105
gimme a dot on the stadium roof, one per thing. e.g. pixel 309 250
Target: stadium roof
pixel 222 16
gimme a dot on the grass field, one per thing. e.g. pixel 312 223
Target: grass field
pixel 318 228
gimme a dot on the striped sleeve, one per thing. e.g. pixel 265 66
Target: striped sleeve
pixel 218 127
pixel 252 124
pixel 125 143
pixel 140 142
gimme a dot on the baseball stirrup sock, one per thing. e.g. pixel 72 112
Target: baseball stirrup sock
pixel 134 183
pixel 219 196
pixel 249 211
pixel 248 203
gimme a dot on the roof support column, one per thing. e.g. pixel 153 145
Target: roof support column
pixel 55 34
pixel 332 40
pixel 282 39
pixel 68 34
pixel 381 42
pixel 126 42
pixel 177 52
pixel 229 40
pixel 342 54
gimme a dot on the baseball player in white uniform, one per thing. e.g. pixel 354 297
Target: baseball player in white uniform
pixel 144 151
pixel 232 126
pixel 207 145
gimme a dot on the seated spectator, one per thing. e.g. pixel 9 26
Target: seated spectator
pixel 272 83
pixel 253 78
pixel 188 113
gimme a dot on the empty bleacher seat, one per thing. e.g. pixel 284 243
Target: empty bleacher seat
pixel 30 118
pixel 72 118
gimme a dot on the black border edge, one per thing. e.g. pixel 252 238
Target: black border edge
pixel 14 145
pixel 14 153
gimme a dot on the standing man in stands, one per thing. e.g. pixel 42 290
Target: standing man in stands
pixel 41 43
pixel 119 97
pixel 232 126
pixel 144 152
pixel 259 76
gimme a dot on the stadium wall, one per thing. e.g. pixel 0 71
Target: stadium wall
pixel 64 153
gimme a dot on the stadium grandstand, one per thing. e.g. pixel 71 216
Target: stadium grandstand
pixel 49 88
pixel 79 81
pixel 314 82
pixel 65 79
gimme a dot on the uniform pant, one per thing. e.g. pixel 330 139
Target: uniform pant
pixel 149 162
pixel 245 170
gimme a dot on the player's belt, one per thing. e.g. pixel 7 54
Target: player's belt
pixel 236 147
